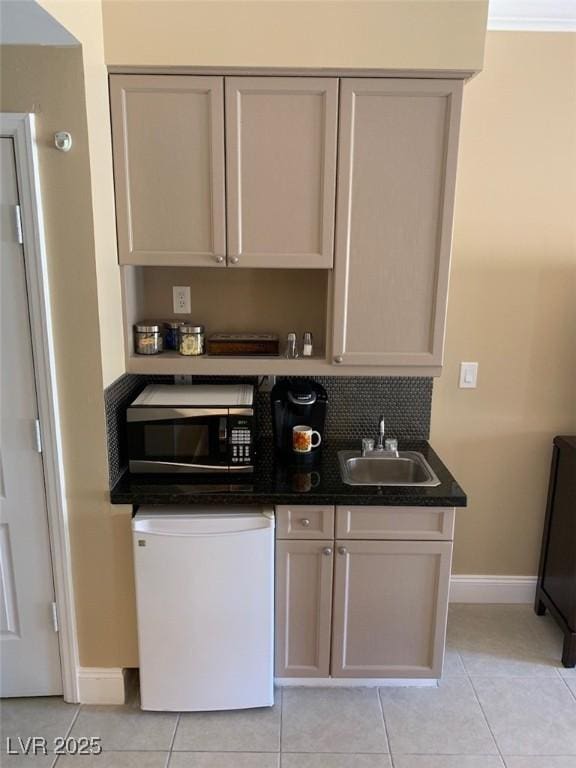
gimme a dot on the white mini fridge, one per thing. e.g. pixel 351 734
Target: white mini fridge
pixel 205 603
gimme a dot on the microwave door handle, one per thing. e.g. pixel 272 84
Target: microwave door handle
pixel 223 437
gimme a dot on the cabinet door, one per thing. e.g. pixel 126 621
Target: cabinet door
pixel 396 175
pixel 390 608
pixel 303 608
pixel 168 142
pixel 281 170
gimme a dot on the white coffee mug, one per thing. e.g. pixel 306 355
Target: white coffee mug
pixel 302 439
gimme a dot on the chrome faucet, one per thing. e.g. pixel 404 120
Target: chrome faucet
pixel 381 433
pixel 380 445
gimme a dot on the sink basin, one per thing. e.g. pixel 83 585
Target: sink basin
pixel 409 468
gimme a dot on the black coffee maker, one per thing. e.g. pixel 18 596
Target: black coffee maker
pixel 297 402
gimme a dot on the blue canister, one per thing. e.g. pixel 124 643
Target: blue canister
pixel 172 334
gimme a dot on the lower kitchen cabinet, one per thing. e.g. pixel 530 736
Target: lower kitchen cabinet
pixel 363 608
pixel 303 608
pixel 390 604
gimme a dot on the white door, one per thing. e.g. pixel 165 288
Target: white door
pixel 29 653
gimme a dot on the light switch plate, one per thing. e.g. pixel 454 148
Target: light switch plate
pixel 181 299
pixel 468 375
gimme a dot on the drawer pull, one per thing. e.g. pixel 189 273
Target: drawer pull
pixel 305 522
pixel 342 550
pixel 327 551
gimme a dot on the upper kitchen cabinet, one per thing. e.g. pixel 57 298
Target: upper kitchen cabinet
pixel 168 138
pixel 396 176
pixel 281 171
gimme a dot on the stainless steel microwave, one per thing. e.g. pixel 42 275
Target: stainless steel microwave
pixel 192 429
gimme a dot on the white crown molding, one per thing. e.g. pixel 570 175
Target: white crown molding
pixel 532 15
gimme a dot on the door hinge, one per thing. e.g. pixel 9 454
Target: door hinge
pixel 38 435
pixel 18 224
pixel 55 617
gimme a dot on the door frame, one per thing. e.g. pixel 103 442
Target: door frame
pixel 21 129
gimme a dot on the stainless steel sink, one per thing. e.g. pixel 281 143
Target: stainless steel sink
pixel 408 468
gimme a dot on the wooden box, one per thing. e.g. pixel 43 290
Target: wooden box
pixel 242 344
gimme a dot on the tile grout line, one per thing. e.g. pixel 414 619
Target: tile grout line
pixel 68 732
pixel 464 667
pixel 73 723
pixel 457 650
pixel 385 726
pixel 468 677
pixel 565 681
pixel 170 749
pixel 400 754
pixel 502 760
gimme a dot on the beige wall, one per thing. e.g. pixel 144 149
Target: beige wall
pixel 84 21
pixel 512 303
pixel 49 81
pixel 426 34
pixel 511 308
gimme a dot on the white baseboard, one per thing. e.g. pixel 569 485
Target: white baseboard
pixel 492 589
pixel 101 685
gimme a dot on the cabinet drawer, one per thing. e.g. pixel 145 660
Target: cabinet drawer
pixel 304 522
pixel 418 523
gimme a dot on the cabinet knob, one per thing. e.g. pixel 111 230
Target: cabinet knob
pixel 342 550
pixel 234 260
pixel 327 551
pixel 305 522
pixel 219 259
pixel 338 359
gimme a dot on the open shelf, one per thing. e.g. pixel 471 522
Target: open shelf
pixel 172 363
pixel 276 301
pixel 240 300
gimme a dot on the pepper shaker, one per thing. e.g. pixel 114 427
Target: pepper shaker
pixel 307 345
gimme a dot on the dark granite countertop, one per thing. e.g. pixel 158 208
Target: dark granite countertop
pixel 276 482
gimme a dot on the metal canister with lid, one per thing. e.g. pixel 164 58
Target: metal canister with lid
pixel 172 334
pixel 148 337
pixel 191 339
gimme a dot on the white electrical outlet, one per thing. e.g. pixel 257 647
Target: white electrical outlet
pixel 181 299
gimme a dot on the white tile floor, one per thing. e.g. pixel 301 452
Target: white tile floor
pixel 505 702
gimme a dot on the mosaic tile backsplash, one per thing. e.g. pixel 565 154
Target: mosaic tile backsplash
pixel 354 407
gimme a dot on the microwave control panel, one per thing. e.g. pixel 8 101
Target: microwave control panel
pixel 241 448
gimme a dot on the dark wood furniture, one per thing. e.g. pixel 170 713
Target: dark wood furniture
pixel 556 590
